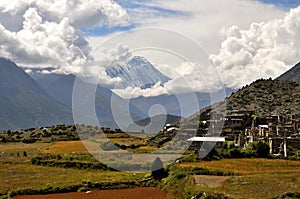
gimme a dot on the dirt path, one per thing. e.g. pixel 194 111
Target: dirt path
pixel 209 181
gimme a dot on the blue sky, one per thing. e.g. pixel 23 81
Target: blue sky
pixel 132 7
pixel 152 10
pixel 286 4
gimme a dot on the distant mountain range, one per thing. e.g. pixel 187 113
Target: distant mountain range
pixel 153 124
pixel 46 99
pixel 60 88
pixel 24 104
pixel 179 104
pixel 137 72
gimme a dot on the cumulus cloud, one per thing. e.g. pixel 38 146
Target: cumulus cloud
pixel 42 34
pixel 119 54
pixel 82 13
pixel 266 49
pixel 200 20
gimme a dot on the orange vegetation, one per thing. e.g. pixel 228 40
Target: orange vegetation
pixel 66 147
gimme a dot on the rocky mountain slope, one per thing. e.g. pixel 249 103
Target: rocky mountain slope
pixel 265 97
pixel 292 75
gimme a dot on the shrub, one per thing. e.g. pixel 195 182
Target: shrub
pixel 29 141
pixel 158 171
pixel 262 149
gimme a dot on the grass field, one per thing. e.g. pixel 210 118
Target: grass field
pixel 66 147
pixel 16 171
pixel 257 178
pixel 254 178
pixel 26 176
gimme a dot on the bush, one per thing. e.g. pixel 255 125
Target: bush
pixel 262 149
pixel 158 171
pixel 29 141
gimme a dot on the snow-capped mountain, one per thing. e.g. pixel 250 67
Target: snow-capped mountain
pixel 137 72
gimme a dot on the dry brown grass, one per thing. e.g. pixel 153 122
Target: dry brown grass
pixel 27 176
pixel 16 172
pixel 251 166
pixel 10 148
pixel 148 148
pixel 69 147
pixel 258 178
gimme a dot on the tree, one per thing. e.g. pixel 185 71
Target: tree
pixel 158 171
pixel 262 149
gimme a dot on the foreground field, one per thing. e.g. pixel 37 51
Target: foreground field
pixel 26 176
pixel 256 178
pixel 17 172
pixel 245 178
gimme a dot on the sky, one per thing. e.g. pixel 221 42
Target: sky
pixel 209 44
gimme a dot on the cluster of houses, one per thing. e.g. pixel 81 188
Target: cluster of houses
pixel 245 127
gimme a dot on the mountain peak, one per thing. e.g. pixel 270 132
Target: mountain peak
pixel 137 72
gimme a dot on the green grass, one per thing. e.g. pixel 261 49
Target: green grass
pixel 253 178
pixel 16 172
pixel 26 176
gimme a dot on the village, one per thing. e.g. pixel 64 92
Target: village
pixel 280 132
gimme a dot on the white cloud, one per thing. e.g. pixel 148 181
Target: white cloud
pixel 39 33
pixel 264 50
pixel 82 13
pixel 203 19
pixel 119 54
pixel 200 20
pixel 42 34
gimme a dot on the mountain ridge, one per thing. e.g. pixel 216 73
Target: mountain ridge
pixel 263 97
pixel 291 75
pixel 60 87
pixel 24 104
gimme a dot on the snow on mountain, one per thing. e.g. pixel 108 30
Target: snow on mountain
pixel 137 72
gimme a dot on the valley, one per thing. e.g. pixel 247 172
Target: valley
pixel 273 177
pixel 82 159
pixel 149 99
